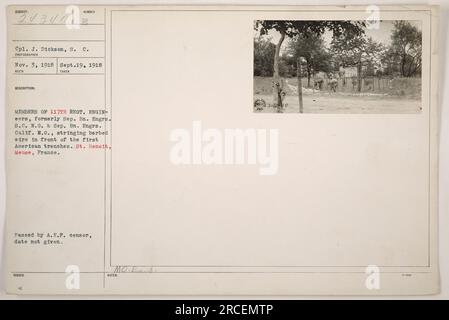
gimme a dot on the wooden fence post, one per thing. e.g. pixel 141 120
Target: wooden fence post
pixel 298 74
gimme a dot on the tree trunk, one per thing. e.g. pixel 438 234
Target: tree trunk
pixel 403 66
pixel 359 76
pixel 410 69
pixel 298 74
pixel 276 77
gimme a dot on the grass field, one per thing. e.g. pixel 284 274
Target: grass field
pixel 336 103
pixel 342 101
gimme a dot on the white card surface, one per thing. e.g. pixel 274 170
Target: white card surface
pixel 175 150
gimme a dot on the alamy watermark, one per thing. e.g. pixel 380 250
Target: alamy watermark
pixel 73 279
pixel 73 17
pixel 373 19
pixel 372 281
pixel 212 146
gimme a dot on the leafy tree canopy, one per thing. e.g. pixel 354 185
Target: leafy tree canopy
pixel 305 28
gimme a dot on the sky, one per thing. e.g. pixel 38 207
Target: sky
pixel 383 34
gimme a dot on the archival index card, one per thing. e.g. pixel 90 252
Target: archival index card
pixel 197 150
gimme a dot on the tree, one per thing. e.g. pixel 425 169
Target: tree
pixel 263 55
pixel 357 51
pixel 390 62
pixel 313 50
pixel 292 28
pixel 406 45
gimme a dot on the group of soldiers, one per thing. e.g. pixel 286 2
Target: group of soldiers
pixel 332 84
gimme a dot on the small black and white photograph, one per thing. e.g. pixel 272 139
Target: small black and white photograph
pixel 344 66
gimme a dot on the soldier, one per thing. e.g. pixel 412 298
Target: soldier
pixel 333 83
pixel 318 83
